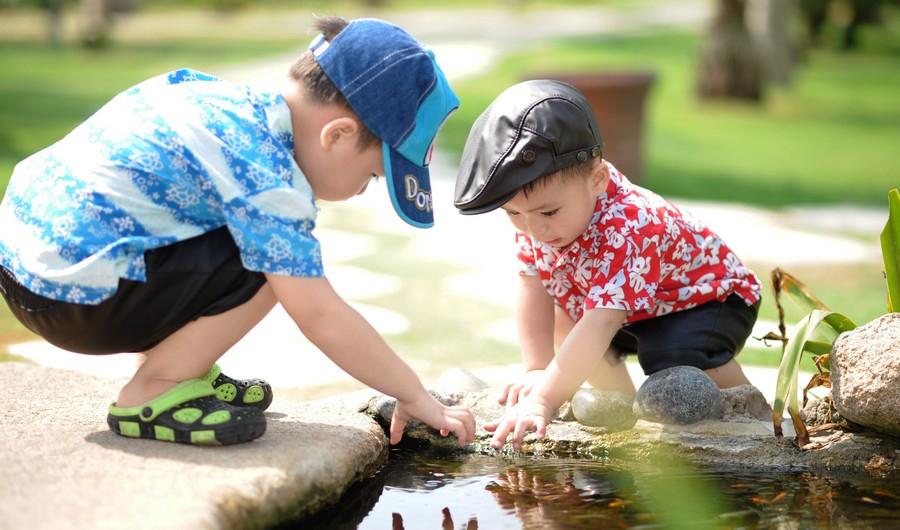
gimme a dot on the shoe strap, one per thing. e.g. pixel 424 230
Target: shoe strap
pixel 177 395
pixel 212 374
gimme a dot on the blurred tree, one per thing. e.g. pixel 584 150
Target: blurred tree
pixel 54 20
pixel 772 24
pixel 814 14
pixel 730 65
pixel 863 12
pixel 96 22
pixel 847 15
pixel 97 19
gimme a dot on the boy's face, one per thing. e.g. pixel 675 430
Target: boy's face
pixel 559 210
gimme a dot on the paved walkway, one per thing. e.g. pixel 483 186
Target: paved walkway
pixel 277 351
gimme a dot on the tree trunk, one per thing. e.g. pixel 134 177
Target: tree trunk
pixel 769 22
pixel 95 20
pixel 729 63
pixel 54 21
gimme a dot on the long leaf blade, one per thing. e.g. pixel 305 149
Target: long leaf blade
pixel 890 250
pixel 786 387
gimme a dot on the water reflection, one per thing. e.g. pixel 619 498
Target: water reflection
pixel 423 489
pixel 553 494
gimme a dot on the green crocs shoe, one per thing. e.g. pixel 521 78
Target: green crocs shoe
pixel 240 392
pixel 189 413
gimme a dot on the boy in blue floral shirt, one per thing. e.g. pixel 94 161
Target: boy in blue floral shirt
pixel 173 220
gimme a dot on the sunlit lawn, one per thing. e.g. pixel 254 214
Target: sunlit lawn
pixel 45 92
pixel 831 136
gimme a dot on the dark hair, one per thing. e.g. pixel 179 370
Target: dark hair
pixel 317 86
pixel 580 170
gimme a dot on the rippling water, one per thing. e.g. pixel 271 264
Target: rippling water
pixel 447 490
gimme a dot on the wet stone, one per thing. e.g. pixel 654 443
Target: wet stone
pixel 607 409
pixel 381 409
pixel 680 395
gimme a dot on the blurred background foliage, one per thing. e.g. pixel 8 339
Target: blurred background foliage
pixel 826 131
pixel 822 130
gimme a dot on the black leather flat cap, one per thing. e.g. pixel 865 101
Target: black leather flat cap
pixel 532 129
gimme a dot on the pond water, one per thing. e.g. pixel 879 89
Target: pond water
pixel 428 489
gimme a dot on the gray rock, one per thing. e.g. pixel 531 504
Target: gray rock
pixel 381 409
pixel 565 412
pixel 865 374
pixel 820 412
pixel 607 409
pixel 745 401
pixel 61 466
pixel 679 395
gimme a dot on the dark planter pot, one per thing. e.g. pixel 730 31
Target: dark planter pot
pixel 617 99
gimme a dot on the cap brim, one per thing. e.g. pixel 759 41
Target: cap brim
pixel 409 186
pixel 487 207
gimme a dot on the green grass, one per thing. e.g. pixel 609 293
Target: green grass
pixel 45 92
pixel 830 137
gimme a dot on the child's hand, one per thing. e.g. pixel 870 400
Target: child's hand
pixel 530 414
pixel 516 391
pixel 456 419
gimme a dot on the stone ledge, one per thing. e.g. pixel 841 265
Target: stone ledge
pixel 61 467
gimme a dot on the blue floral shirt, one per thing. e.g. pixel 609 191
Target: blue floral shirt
pixel 169 159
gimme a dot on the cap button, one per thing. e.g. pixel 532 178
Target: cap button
pixel 529 156
pixel 595 152
pixel 582 156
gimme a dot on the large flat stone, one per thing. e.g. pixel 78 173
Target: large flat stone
pixel 61 467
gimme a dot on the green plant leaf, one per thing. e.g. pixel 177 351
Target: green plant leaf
pixel 890 250
pixel 818 347
pixel 786 388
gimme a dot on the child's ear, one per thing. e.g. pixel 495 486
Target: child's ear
pixel 599 178
pixel 338 131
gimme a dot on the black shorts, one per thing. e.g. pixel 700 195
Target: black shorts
pixel 202 276
pixel 706 336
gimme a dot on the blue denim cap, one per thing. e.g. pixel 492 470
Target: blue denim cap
pixel 394 85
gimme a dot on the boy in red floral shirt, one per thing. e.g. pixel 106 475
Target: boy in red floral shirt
pixel 609 268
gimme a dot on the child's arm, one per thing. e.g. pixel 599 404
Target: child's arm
pixel 578 357
pixel 353 344
pixel 534 316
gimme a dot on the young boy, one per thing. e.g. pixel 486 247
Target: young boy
pixel 175 218
pixel 609 268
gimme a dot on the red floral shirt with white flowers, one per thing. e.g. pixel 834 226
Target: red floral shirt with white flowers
pixel 641 254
